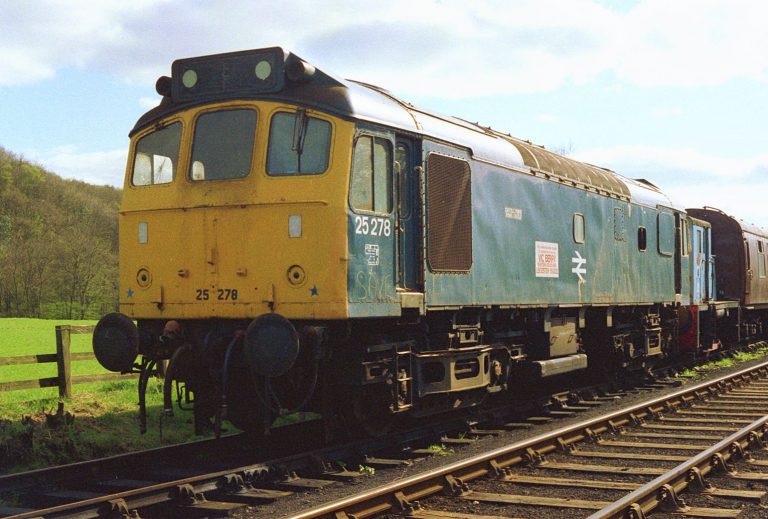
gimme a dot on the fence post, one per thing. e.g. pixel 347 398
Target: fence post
pixel 63 360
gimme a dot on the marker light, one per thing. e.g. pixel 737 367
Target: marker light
pixel 231 75
pixel 189 79
pixel 263 69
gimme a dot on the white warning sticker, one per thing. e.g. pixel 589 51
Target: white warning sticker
pixel 547 265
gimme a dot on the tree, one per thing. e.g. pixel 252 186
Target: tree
pixel 58 243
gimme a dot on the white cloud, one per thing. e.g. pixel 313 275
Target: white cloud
pixel 693 42
pixel 743 201
pixel 94 167
pixel 444 48
pixel 694 179
pixel 641 158
pixel 666 112
pixel 38 38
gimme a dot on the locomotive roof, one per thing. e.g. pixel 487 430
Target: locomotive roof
pixel 274 74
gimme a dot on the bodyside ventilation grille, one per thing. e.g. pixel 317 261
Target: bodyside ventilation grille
pixel 449 214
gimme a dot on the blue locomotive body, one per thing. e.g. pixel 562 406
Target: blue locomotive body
pixel 474 261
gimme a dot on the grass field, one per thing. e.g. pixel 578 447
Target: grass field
pixel 106 417
pixel 38 336
pixel 105 413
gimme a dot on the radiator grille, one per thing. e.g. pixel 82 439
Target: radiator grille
pixel 449 218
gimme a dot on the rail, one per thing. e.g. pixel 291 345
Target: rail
pixel 666 487
pixel 399 496
pixel 232 484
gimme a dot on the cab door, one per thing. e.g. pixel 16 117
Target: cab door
pixel 709 267
pixel 700 264
pixel 748 267
pixel 407 161
pixel 683 284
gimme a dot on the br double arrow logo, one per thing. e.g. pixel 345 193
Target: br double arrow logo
pixel 581 266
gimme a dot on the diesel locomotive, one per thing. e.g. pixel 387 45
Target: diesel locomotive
pixel 292 240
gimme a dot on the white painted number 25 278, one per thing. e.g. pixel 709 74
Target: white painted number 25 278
pixel 373 226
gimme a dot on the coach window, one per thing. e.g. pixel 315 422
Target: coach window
pixel 642 240
pixel 223 145
pixel 298 144
pixel 764 264
pixel 761 259
pixel 157 156
pixel 578 227
pixel 371 184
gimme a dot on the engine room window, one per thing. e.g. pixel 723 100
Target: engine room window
pixel 298 144
pixel 157 156
pixel 578 228
pixel 223 145
pixel 642 239
pixel 371 183
pixel 449 214
pixel 618 224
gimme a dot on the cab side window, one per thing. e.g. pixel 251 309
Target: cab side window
pixel 157 156
pixel 371 182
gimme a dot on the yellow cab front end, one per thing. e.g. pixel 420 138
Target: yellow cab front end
pixel 234 238
pixel 235 209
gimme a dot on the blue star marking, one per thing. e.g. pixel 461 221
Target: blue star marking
pixel 313 291
pixel 129 293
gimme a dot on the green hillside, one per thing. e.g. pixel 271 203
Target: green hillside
pixel 58 244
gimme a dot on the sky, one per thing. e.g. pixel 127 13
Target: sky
pixel 673 91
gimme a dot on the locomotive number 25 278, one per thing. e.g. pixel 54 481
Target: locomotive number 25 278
pixel 221 294
pixel 373 226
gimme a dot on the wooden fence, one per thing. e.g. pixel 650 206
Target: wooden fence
pixel 63 359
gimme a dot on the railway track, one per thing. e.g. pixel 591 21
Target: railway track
pixel 178 476
pixel 146 484
pixel 646 459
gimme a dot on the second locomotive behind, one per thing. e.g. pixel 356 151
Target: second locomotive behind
pixel 290 240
